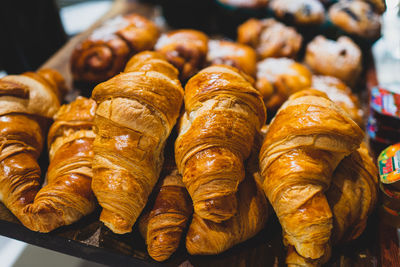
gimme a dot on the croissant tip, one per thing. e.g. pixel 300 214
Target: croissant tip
pixel 41 217
pixel 163 257
pixel 223 208
pixel 115 222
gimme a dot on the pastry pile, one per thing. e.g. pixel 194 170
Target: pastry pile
pixel 191 163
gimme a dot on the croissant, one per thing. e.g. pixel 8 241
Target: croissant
pixel 207 237
pixel 233 54
pixel 352 197
pixel 223 112
pixel 163 225
pixel 68 195
pixel 278 78
pixel 105 52
pixel 339 93
pixel 305 142
pixel 270 38
pixel 27 104
pixel 185 49
pixel 136 112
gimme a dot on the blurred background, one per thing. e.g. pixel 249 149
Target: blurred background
pixel 30 35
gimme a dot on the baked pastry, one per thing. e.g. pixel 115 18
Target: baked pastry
pixel 233 54
pixel 356 17
pixel 185 49
pixel 136 112
pixel 164 223
pixel 341 59
pixel 278 78
pixel 223 113
pixel 27 105
pixel 378 5
pixel 105 52
pixel 341 95
pixel 302 12
pixel 245 3
pixel 352 196
pixel 270 38
pixel 304 144
pixel 205 237
pixel 68 195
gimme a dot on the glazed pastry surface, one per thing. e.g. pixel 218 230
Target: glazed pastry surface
pixel 205 237
pixel 166 220
pixel 223 113
pixel 67 195
pixel 27 105
pixel 304 144
pixel 351 197
pixel 136 112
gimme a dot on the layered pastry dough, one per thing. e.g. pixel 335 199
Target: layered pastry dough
pixel 232 54
pixel 163 225
pixel 304 144
pixel 352 196
pixel 106 51
pixel 185 49
pixel 68 195
pixel 223 112
pixel 278 78
pixel 27 105
pixel 270 38
pixel 205 237
pixel 136 112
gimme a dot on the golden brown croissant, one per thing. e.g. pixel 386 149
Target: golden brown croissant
pixel 106 51
pixel 27 104
pixel 233 54
pixel 223 112
pixel 270 38
pixel 185 49
pixel 339 93
pixel 278 78
pixel 351 196
pixel 207 237
pixel 136 112
pixel 68 195
pixel 163 225
pixel 305 142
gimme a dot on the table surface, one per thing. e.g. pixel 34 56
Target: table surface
pixel 91 240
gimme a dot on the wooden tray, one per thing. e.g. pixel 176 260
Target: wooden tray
pixel 89 239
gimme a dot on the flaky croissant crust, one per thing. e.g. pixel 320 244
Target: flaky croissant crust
pixel 67 195
pixel 223 112
pixel 136 112
pixel 305 142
